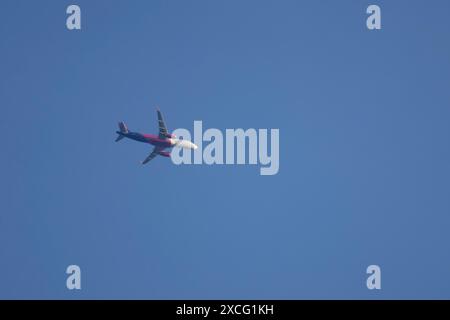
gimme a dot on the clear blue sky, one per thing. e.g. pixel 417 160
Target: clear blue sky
pixel 364 149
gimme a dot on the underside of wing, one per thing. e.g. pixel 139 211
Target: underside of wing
pixel 154 153
pixel 162 126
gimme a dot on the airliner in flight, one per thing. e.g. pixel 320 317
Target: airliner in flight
pixel 161 142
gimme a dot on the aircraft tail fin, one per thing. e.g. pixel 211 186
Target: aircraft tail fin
pixel 123 127
pixel 123 130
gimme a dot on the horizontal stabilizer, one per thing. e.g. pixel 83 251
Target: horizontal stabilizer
pixel 119 137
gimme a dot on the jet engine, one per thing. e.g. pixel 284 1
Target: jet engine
pixel 164 154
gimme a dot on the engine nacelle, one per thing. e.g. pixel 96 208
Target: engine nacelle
pixel 164 154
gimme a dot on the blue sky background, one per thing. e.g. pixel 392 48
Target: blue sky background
pixel 364 149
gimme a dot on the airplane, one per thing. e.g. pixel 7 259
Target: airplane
pixel 161 142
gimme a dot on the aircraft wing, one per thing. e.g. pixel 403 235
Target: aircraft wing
pixel 154 153
pixel 162 126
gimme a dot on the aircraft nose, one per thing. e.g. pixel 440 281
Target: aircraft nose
pixel 194 146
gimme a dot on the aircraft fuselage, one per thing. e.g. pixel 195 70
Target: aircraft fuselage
pixel 148 138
